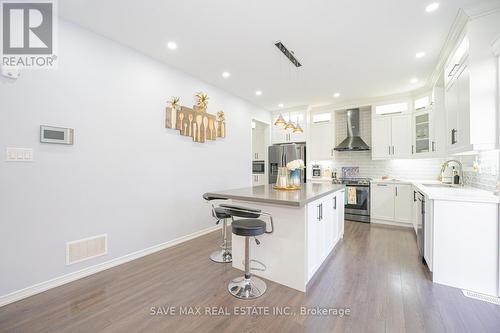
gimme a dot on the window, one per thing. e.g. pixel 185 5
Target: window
pixel 421 103
pixel 322 117
pixel 391 108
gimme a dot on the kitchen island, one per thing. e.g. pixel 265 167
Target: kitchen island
pixel 308 223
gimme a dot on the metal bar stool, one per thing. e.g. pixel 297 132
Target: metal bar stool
pixel 248 286
pixel 224 254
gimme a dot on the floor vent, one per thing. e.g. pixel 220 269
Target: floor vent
pixel 481 297
pixel 87 248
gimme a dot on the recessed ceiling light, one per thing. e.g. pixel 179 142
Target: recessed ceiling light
pixel 420 55
pixel 172 45
pixel 258 93
pixel 414 80
pixel 226 75
pixel 336 95
pixel 281 105
pixel 432 7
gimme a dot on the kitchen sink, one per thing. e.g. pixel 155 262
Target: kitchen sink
pixel 440 185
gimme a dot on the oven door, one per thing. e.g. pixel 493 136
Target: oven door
pixel 258 167
pixel 360 206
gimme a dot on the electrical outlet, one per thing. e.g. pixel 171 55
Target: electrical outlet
pixel 19 154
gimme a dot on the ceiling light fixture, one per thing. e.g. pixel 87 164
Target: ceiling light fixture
pixel 432 7
pixel 281 105
pixel 414 80
pixel 258 93
pixel 172 45
pixel 280 121
pixel 290 125
pixel 420 55
pixel 298 129
pixel 226 75
pixel 336 95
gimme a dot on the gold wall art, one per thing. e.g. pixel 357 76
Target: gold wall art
pixel 195 122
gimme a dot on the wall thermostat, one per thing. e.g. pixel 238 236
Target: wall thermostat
pixel 61 135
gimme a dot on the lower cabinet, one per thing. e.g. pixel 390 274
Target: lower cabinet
pixel 325 226
pixel 391 202
pixel 258 179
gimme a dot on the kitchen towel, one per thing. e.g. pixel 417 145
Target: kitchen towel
pixel 351 196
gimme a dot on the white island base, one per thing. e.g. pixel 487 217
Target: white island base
pixel 303 238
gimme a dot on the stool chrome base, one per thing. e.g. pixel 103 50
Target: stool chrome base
pixel 222 256
pixel 247 288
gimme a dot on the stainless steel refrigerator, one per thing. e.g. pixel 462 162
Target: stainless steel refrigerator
pixel 280 155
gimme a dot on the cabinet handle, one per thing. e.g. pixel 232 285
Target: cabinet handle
pixel 414 196
pixel 321 211
pixel 389 150
pixel 453 136
pixel 335 203
pixel 331 152
pixel 453 70
pixel 412 149
pixel 396 190
pixel 433 145
pixel 318 215
pixel 393 150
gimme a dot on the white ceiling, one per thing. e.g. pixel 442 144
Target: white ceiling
pixel 359 48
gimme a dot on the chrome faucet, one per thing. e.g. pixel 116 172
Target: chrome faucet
pixel 460 168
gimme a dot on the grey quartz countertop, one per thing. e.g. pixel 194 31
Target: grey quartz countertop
pixel 266 194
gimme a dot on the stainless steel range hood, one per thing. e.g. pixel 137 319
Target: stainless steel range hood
pixel 353 142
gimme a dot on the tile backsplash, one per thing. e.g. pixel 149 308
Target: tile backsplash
pixel 418 169
pixel 427 169
pixel 485 175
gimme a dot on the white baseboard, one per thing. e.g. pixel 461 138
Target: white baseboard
pixel 59 281
pixel 392 223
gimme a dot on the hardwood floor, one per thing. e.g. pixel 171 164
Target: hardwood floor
pixel 376 273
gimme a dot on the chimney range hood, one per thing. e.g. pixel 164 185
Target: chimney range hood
pixel 353 142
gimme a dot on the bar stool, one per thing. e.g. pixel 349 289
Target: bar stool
pixel 248 286
pixel 224 254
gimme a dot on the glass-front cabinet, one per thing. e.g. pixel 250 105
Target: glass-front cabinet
pixel 422 133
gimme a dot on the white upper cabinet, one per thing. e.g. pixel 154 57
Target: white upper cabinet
pixel 381 138
pixel 258 143
pixel 401 136
pixel 280 135
pixel 321 139
pixel 429 125
pixel 470 94
pixel 392 136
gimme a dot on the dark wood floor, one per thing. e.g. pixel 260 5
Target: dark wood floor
pixel 375 272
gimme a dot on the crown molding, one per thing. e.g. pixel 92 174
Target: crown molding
pixel 456 32
pixel 495 46
pixel 482 9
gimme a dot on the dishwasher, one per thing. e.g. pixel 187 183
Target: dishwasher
pixel 420 198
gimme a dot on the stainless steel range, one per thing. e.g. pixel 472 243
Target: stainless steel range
pixel 357 198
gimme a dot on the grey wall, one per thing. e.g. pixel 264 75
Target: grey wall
pixel 126 175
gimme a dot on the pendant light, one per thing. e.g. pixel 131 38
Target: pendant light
pixel 280 121
pixel 290 125
pixel 298 129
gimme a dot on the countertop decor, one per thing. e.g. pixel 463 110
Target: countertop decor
pixel 195 122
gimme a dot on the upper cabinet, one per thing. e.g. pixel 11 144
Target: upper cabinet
pixel 321 139
pixel 392 136
pixel 429 125
pixel 470 107
pixel 258 143
pixel 280 135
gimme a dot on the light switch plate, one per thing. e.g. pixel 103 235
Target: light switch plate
pixel 19 154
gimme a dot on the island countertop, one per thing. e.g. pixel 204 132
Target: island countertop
pixel 267 194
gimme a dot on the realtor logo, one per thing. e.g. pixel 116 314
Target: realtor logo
pixel 28 34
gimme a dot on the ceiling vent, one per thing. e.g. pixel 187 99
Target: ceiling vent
pixel 288 53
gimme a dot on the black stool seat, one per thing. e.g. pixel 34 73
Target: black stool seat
pixel 248 227
pixel 209 197
pixel 221 213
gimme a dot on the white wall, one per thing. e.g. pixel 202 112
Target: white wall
pixel 126 175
